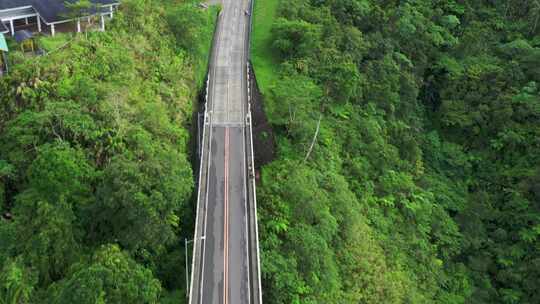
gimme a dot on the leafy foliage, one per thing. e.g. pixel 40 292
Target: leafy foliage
pixel 111 277
pixel 423 183
pixel 95 180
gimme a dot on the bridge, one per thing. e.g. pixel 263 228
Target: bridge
pixel 225 265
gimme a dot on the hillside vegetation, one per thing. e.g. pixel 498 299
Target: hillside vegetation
pixel 423 185
pixel 95 179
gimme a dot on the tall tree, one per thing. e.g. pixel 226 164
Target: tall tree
pixel 111 276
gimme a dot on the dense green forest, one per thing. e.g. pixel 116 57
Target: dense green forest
pixel 95 173
pixel 407 164
pixel 423 185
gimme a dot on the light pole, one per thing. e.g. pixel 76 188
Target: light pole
pixel 186 242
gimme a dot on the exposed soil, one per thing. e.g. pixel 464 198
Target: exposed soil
pixel 263 136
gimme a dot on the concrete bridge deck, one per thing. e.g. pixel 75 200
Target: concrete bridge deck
pixel 226 256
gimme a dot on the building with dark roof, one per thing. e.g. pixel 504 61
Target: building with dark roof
pixel 49 12
pixel 10 4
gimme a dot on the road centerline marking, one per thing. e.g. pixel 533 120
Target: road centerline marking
pixel 226 221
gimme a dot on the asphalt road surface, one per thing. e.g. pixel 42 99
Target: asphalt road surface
pixel 225 260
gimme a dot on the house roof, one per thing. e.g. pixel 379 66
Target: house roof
pixel 10 4
pixel 55 10
pixel 51 11
pixel 16 12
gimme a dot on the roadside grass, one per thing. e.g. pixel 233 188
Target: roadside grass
pixel 265 61
pixel 46 43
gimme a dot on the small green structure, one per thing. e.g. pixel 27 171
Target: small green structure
pixel 3 50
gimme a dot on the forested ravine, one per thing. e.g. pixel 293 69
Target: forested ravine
pixel 423 185
pixel 406 165
pixel 95 178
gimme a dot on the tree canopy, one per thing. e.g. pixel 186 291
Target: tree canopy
pixel 95 174
pixel 422 186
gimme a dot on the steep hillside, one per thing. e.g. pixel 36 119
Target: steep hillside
pixel 423 182
pixel 95 179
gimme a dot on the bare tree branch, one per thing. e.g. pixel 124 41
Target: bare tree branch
pixel 314 138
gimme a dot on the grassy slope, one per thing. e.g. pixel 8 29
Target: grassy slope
pixel 264 60
pixel 50 44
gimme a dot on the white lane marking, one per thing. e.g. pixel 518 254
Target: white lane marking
pixel 246 212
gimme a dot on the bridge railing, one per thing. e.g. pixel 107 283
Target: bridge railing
pixel 197 266
pixel 255 260
pixel 256 292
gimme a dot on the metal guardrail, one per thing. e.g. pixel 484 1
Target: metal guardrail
pixel 199 236
pixel 256 290
pixel 200 221
pixel 255 261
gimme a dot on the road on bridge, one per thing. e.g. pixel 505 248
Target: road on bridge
pixel 225 266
